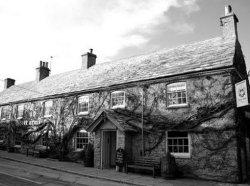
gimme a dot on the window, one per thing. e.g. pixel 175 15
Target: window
pixel 18 137
pixel 177 94
pixel 82 139
pixel 118 99
pixel 178 143
pixel 48 108
pixel 83 105
pixel 20 110
pixel 5 113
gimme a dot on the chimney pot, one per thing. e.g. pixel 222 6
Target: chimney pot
pixel 229 23
pixel 42 71
pixel 8 82
pixel 228 10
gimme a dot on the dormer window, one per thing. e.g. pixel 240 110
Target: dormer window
pixel 83 105
pixel 20 110
pixel 48 108
pixel 177 94
pixel 118 99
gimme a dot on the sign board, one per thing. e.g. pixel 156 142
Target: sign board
pixel 241 93
pixel 119 157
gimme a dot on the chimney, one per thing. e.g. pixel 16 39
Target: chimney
pixel 42 71
pixel 229 23
pixel 88 59
pixel 8 82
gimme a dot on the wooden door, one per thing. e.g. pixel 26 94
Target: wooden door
pixel 108 149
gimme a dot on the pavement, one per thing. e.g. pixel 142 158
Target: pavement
pixel 108 175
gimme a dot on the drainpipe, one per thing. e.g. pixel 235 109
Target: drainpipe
pixel 142 122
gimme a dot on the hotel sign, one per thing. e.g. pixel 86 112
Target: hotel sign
pixel 241 93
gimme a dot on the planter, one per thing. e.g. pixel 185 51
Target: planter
pixel 168 167
pixel 89 156
pixel 10 149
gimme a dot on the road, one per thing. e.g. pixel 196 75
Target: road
pixel 21 174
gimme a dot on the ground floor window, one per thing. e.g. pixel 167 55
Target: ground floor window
pixel 178 143
pixel 18 138
pixel 82 139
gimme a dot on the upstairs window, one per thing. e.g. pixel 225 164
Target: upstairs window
pixel 118 99
pixel 83 105
pixel 82 139
pixel 178 143
pixel 48 108
pixel 20 110
pixel 177 94
pixel 5 113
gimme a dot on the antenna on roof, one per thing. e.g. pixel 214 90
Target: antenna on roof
pixel 51 60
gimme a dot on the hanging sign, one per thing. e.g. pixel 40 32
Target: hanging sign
pixel 241 93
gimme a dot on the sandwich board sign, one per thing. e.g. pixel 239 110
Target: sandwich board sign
pixel 241 93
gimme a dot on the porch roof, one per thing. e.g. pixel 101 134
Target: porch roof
pixel 122 122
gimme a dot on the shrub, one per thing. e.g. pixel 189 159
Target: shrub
pixel 89 156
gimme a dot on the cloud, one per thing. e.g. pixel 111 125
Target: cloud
pixel 34 29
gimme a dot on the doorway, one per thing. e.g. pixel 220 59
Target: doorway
pixel 108 149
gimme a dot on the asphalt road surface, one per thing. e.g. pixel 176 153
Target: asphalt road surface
pixel 21 174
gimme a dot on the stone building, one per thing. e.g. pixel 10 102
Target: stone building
pixel 180 100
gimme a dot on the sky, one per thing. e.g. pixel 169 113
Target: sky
pixel 35 30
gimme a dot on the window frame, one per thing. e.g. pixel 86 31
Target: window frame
pixel 180 154
pixel 83 144
pixel 18 106
pixel 78 104
pixel 178 90
pixel 45 108
pixel 5 109
pixel 124 99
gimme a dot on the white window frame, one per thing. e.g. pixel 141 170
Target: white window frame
pixel 124 100
pixel 18 111
pixel 177 87
pixel 178 154
pixel 76 137
pixel 83 99
pixel 3 111
pixel 46 103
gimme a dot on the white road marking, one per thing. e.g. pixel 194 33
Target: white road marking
pixel 39 183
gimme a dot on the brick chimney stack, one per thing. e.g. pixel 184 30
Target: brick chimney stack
pixel 88 59
pixel 8 82
pixel 229 23
pixel 42 71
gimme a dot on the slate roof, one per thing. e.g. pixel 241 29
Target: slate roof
pixel 205 55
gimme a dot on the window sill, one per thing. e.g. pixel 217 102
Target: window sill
pixel 47 116
pixel 181 155
pixel 82 113
pixel 78 150
pixel 118 106
pixel 178 106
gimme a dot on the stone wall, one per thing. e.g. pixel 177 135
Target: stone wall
pixel 203 91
